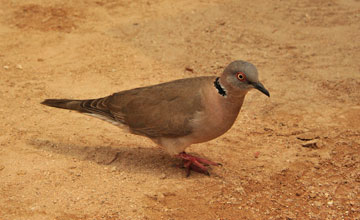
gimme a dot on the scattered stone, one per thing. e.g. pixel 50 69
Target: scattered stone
pixel 310 144
pixel 160 196
pixel 169 194
pixel 2 167
pixel 240 190
pixel 312 195
pixel 18 66
pixel 34 208
pixel 6 67
pixel 330 203
pixel 317 203
pixel 307 136
pixel 189 69
pixel 21 172
pixel 157 197
pixel 163 176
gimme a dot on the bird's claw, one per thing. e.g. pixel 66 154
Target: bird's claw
pixel 196 164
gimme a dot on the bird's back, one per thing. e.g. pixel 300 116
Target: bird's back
pixel 162 110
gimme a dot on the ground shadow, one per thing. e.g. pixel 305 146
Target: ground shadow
pixel 124 158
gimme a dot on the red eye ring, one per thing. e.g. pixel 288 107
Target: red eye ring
pixel 241 76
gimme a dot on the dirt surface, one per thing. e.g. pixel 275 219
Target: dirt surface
pixel 293 156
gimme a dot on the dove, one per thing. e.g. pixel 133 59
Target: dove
pixel 178 113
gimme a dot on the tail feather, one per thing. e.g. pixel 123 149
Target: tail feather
pixel 91 106
pixel 64 103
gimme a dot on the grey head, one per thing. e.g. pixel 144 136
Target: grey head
pixel 242 76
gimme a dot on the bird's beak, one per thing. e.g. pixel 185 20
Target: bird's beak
pixel 259 86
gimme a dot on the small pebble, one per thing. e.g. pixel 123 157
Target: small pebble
pixel 160 196
pixel 310 144
pixel 19 67
pixel 240 190
pixel 312 195
pixel 317 203
pixel 6 67
pixel 189 69
pixel 21 172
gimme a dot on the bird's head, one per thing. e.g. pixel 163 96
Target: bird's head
pixel 242 76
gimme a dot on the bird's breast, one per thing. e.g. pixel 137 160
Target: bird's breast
pixel 216 118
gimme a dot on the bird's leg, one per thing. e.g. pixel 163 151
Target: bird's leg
pixel 196 164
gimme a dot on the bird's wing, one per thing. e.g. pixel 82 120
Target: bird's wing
pixel 163 110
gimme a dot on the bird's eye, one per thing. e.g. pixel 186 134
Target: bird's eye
pixel 241 76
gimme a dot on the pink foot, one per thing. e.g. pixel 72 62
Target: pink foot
pixel 196 164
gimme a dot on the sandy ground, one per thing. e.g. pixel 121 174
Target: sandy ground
pixel 293 156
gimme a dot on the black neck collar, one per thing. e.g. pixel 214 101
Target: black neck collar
pixel 220 89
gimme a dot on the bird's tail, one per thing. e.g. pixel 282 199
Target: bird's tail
pixel 95 107
pixel 65 104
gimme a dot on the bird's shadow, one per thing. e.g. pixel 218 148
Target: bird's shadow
pixel 132 159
